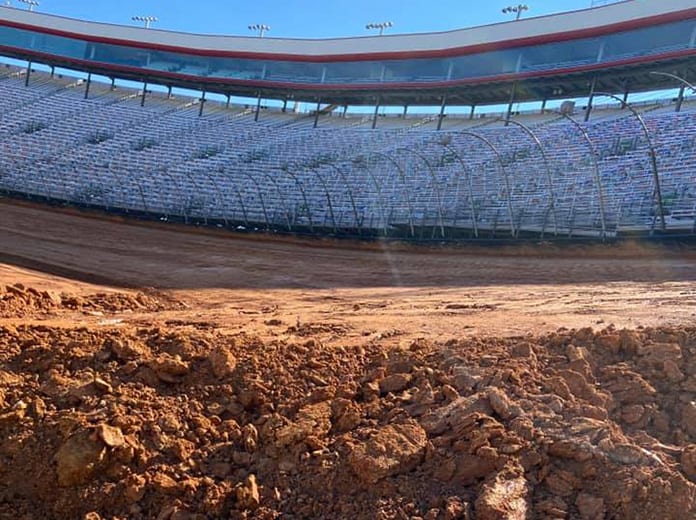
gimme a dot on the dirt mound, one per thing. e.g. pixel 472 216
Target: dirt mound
pixel 177 423
pixel 17 301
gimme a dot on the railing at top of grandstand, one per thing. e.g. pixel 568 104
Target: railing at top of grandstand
pixel 678 78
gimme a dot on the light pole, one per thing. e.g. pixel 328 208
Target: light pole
pixel 147 20
pixel 381 26
pixel 30 4
pixel 261 28
pixel 518 9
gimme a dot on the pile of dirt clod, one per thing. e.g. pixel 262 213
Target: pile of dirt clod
pixel 20 301
pixel 174 423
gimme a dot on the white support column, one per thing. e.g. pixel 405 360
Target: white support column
pixel 600 53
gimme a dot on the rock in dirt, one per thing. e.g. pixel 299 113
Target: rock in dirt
pixel 164 484
pixel 503 497
pixel 590 507
pixel 689 418
pixel 248 494
pixel 79 458
pixel 597 432
pixel 346 415
pixel 222 362
pixel 134 488
pixel 390 450
pixel 125 349
pixel 112 436
pixel 250 438
pixel 102 386
pixel 501 403
pixel 688 461
pixel 170 369
pixel 313 420
pixel 394 383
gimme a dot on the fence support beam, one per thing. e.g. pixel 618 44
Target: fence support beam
pixel 89 83
pixel 513 92
pixel 259 193
pixel 653 158
pixel 501 164
pixel 316 114
pixel 304 197
pixel 680 99
pixel 200 109
pixel 436 185
pixel 472 205
pixel 258 108
pixel 322 181
pixel 376 114
pixel 380 195
pixel 549 176
pixel 442 113
pixel 590 99
pixel 349 190
pixel 597 175
pixel 405 191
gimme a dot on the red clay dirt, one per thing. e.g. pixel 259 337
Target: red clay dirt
pixel 155 372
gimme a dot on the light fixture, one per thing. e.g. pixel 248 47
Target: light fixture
pixel 381 26
pixel 261 28
pixel 147 20
pixel 517 9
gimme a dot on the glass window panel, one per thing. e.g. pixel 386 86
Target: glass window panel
pixel 640 42
pixel 353 72
pixel 560 55
pixel 485 64
pixel 651 40
pixel 416 70
pixel 293 71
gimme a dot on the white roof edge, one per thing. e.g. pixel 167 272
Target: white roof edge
pixel 585 19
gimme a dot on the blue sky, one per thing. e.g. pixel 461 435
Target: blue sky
pixel 302 18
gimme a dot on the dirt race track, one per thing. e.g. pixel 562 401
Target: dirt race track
pixel 154 372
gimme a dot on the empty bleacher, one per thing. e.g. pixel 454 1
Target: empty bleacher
pixel 166 160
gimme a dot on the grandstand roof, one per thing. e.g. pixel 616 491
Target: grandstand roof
pixel 557 56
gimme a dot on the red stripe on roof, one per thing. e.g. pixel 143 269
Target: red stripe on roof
pixel 397 55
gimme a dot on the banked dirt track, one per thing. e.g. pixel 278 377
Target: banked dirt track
pixel 159 372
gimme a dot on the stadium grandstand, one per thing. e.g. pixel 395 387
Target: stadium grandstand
pixel 147 122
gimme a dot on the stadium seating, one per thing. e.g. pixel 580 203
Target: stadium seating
pixel 166 160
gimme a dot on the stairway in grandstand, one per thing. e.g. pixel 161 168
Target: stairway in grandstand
pixel 164 160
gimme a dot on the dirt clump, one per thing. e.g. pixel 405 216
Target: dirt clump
pixel 20 301
pixel 153 421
